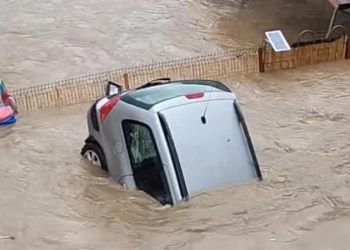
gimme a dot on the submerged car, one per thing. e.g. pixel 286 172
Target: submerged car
pixel 171 138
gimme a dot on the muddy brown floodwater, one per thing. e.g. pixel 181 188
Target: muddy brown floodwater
pixel 43 41
pixel 298 119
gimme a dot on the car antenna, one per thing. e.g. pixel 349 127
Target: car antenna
pixel 203 118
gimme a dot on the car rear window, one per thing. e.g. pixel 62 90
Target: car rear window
pixel 148 97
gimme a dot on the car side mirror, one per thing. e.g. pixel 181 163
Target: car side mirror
pixel 113 88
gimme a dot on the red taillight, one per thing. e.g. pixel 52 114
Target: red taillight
pixel 195 95
pixel 107 107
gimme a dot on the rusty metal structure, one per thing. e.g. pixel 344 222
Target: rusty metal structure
pixel 307 37
pixel 339 6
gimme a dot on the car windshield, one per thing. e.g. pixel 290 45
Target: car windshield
pixel 156 94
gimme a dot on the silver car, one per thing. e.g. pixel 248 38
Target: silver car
pixel 171 139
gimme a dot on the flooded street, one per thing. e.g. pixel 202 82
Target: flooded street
pixel 299 121
pixel 53 200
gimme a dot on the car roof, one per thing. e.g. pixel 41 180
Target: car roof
pixel 148 97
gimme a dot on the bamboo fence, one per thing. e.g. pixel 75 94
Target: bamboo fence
pixel 304 55
pixel 88 88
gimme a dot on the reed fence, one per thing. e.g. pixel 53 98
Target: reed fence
pixel 309 50
pixel 88 88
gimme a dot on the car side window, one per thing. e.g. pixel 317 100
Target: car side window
pixel 145 161
pixel 142 146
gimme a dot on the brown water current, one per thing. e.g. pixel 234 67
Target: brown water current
pixel 43 41
pixel 299 121
pixel 50 199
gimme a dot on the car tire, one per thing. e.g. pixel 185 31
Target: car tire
pixel 94 154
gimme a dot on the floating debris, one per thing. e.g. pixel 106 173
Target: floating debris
pixel 6 237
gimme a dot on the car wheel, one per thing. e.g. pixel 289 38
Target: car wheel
pixel 94 154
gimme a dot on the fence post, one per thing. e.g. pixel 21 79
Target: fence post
pixel 347 47
pixel 58 103
pixel 126 81
pixel 261 60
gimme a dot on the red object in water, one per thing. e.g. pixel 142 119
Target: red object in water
pixel 5 112
pixel 5 96
pixel 8 101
